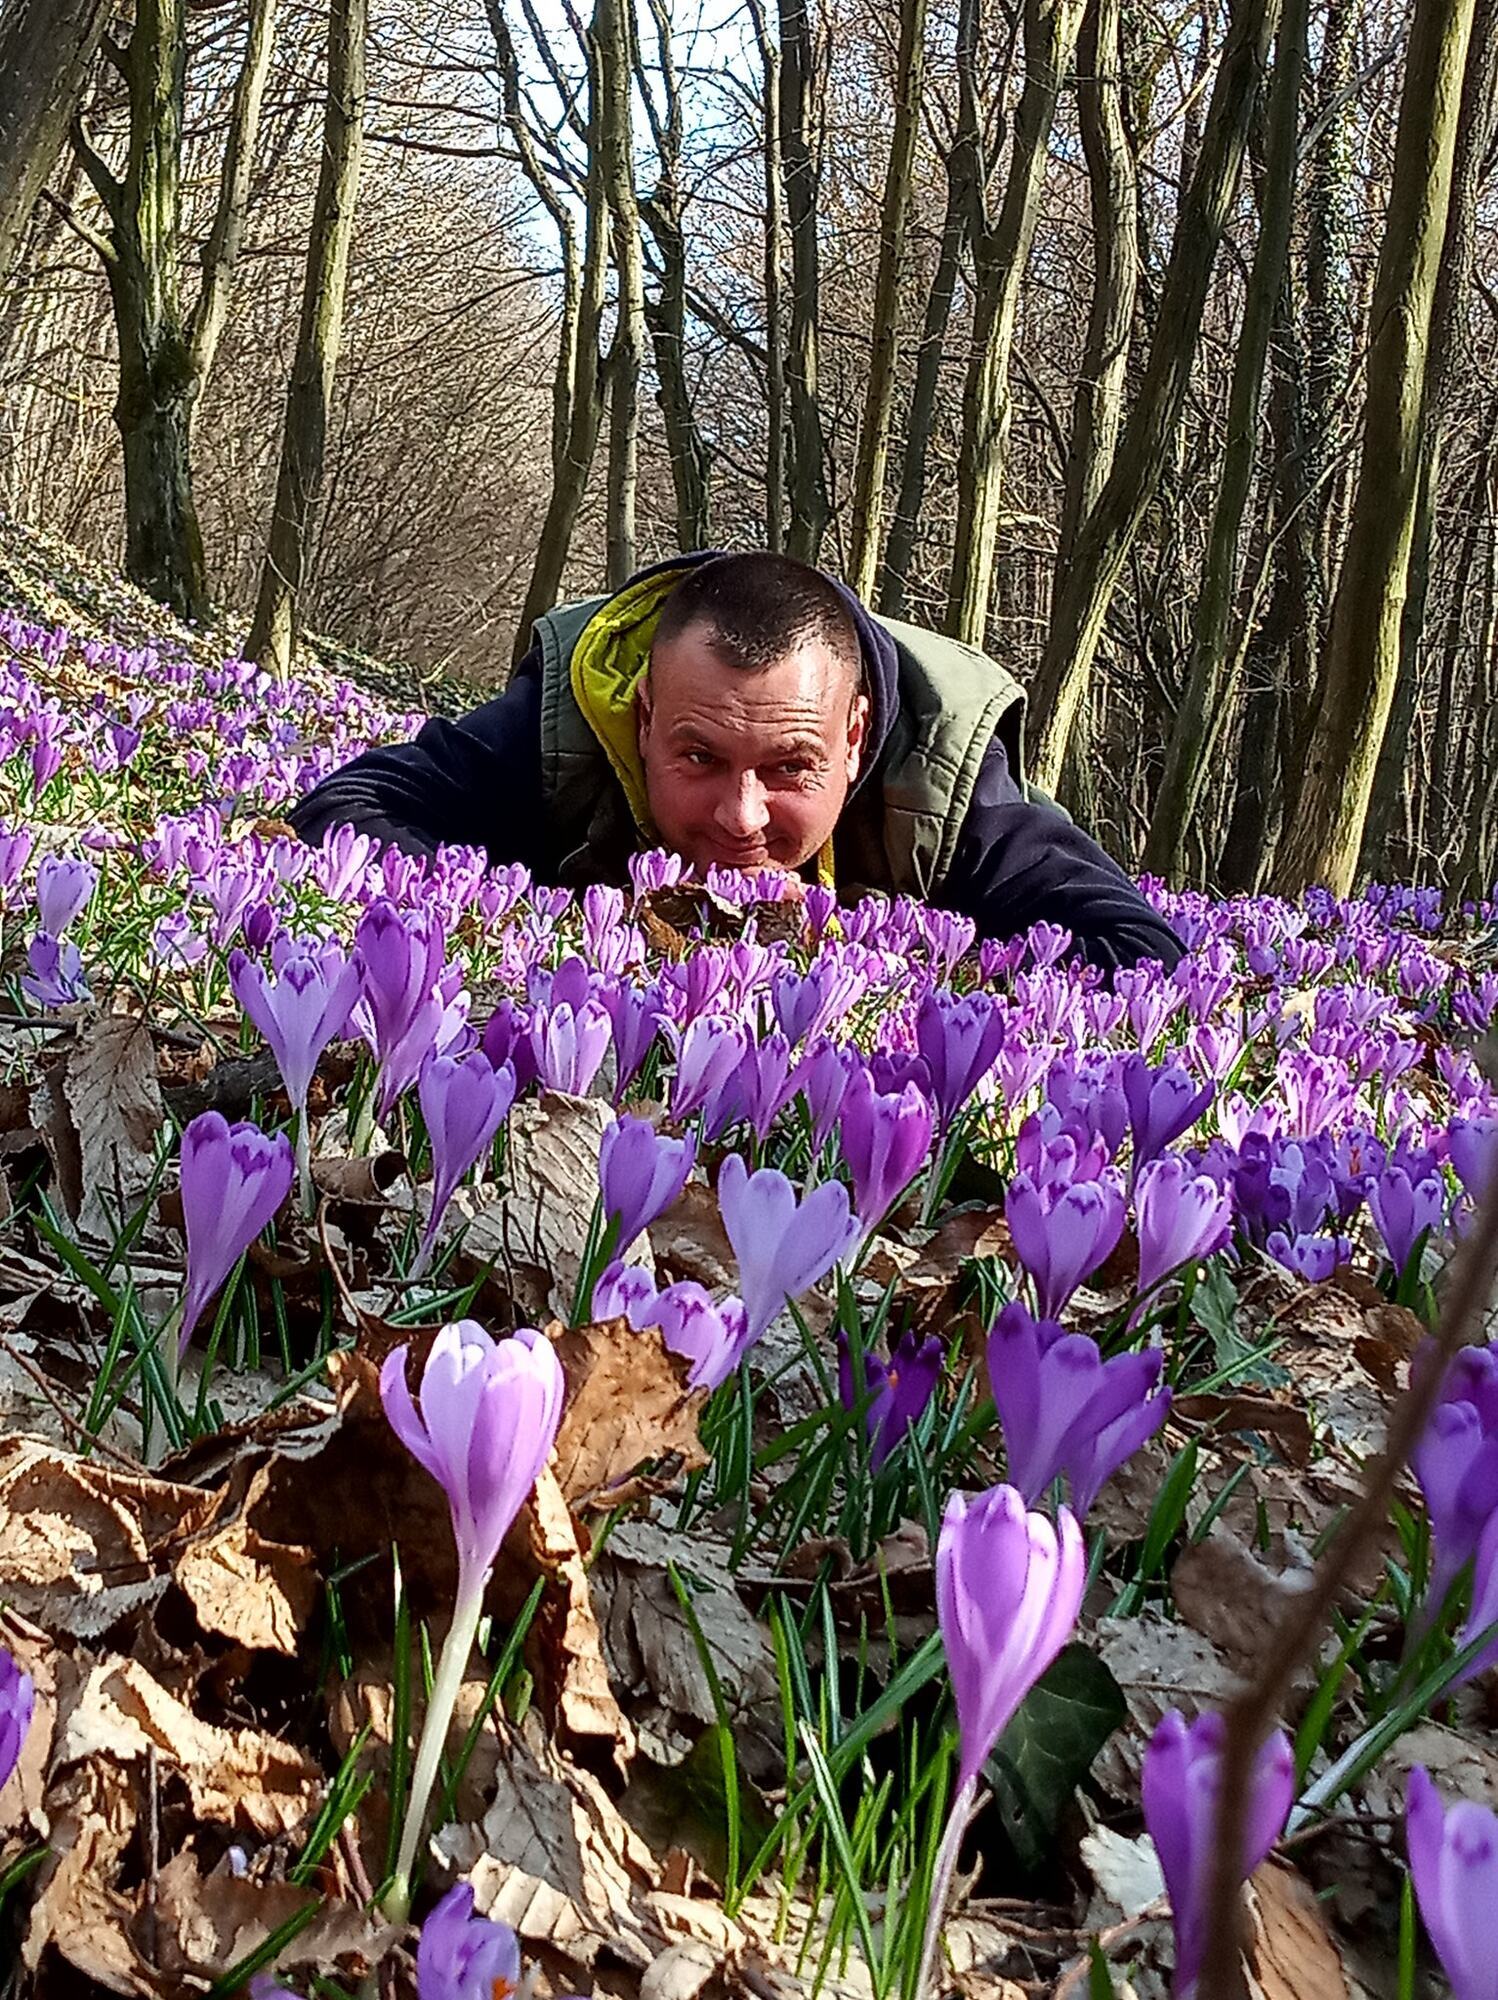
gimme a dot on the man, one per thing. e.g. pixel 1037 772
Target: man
pixel 748 712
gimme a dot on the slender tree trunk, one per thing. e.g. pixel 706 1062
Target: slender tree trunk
pixel 1328 309
pixel 879 400
pixel 1361 661
pixel 1211 681
pixel 774 267
pixel 807 473
pixel 900 547
pixel 221 251
pixel 47 50
pixel 1476 862
pixel 613 33
pixel 1000 254
pixel 1097 406
pixel 1477 123
pixel 1081 602
pixel 273 632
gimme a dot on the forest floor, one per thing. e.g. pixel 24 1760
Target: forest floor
pixel 704 1742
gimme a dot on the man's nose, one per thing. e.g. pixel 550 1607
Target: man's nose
pixel 743 809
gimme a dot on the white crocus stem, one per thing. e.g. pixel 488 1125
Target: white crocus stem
pixel 304 1160
pixel 941 1883
pixel 449 1678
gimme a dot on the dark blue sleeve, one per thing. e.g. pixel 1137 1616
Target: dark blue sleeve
pixel 1019 862
pixel 475 782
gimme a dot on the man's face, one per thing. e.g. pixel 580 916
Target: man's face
pixel 748 769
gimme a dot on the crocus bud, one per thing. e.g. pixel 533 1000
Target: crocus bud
pixel 783 1246
pixel 464 1100
pixel 17 1699
pixel 1062 1234
pixel 1454 1865
pixel 64 888
pixel 1180 1218
pixel 569 1047
pixel 464 1957
pixel 708 1051
pixel 640 1173
pixel 1404 1210
pixel 886 1141
pixel 1065 1411
pixel 1181 1789
pixel 711 1337
pixel 488 1419
pixel 300 1009
pixel 898 1390
pixel 1008 1590
pixel 234 1179
pixel 54 974
pixel 1163 1103
pixel 960 1042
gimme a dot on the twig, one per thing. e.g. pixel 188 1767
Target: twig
pixel 75 1424
pixel 1075 1977
pixel 1253 1713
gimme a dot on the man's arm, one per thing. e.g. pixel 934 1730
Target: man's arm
pixel 1019 863
pixel 475 782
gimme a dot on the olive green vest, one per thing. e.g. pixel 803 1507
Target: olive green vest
pixel 900 827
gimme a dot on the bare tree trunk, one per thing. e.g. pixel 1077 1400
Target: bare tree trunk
pixel 1211 682
pixel 1477 123
pixel 613 35
pixel 900 546
pixel 1081 602
pixel 221 251
pixel 807 474
pixel 1479 851
pixel 879 400
pixel 1328 310
pixel 1097 406
pixel 47 49
pixel 774 265
pixel 1361 660
pixel 585 402
pixel 273 632
pixel 1001 250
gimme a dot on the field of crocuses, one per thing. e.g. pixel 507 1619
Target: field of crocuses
pixel 694 1441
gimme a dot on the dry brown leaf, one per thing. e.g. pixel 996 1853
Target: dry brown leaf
pixel 581 1696
pixel 1292 1955
pixel 650 1645
pixel 81 1545
pixel 1158 1665
pixel 626 1405
pixel 110 1088
pixel 75 1907
pixel 542 1221
pixel 1272 1414
pixel 204 1923
pixel 554 1860
pixel 259 1593
pixel 689 1240
pixel 240 1778
pixel 1238 1597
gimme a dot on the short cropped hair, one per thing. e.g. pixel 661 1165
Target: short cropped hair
pixel 760 607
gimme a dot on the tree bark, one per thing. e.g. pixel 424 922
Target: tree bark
pixel 221 251
pixel 1001 250
pixel 807 478
pixel 47 50
pixel 613 36
pixel 1361 659
pixel 774 266
pixel 1476 861
pixel 1212 680
pixel 273 632
pixel 1097 406
pixel 879 399
pixel 585 403
pixel 1102 548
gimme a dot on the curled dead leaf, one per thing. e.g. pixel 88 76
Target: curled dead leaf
pixel 627 1405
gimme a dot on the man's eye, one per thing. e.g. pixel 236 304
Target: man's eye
pixel 701 758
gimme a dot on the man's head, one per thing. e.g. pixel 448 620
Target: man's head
pixel 752 717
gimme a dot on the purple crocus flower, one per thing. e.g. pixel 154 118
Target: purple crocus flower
pixel 822 1083
pixel 625 1291
pixel 708 1051
pixel 1484 1607
pixel 899 1390
pixel 783 1246
pixel 507 1039
pixel 464 1957
pixel 635 1017
pixel 1065 1411
pixel 1163 1103
pixel 54 975
pixel 15 850
pixel 1062 1234
pixel 959 1041
pixel 464 1100
pixel 234 1179
pixel 64 888
pixel 400 957
pixel 300 1010
pixel 713 1337
pixel 17 1700
pixel 1181 1772
pixel 1454 1866
pixel 569 1047
pixel 1404 1210
pixel 1473 1144
pixel 1180 1218
pixel 1008 1591
pixel 488 1420
pixel 885 1141
pixel 640 1173
pixel 1456 1463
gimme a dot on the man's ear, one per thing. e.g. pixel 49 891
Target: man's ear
pixel 858 734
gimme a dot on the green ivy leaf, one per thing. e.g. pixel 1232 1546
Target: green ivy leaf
pixel 1048 1749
